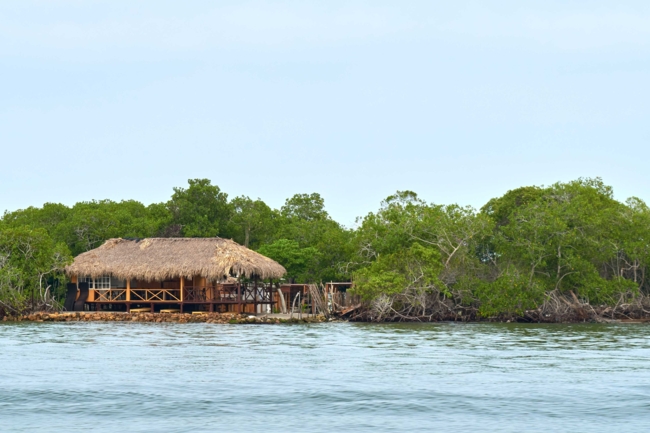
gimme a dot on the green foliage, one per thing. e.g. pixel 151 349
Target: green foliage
pixel 303 219
pixel 50 217
pixel 510 294
pixel 416 267
pixel 576 237
pixel 501 209
pixel 253 222
pixel 569 238
pixel 405 222
pixel 90 223
pixel 297 261
pixel 87 224
pixel 201 210
pixel 306 207
pixel 30 261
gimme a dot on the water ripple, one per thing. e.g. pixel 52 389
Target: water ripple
pixel 104 377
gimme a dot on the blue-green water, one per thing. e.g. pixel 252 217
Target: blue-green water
pixel 111 377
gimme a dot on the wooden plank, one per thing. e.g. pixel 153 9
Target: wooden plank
pixel 349 309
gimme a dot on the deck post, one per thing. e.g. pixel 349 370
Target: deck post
pixel 152 310
pixel 272 298
pixel 128 289
pixel 239 298
pixel 182 288
pixel 255 296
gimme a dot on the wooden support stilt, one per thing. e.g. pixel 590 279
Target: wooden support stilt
pixel 239 298
pixel 255 296
pixel 152 310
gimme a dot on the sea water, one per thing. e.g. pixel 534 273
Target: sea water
pixel 146 377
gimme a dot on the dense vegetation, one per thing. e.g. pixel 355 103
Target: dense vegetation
pixel 535 252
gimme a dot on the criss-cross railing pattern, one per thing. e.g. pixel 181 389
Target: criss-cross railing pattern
pixel 156 295
pixel 256 294
pixel 221 293
pixel 216 294
pixel 108 295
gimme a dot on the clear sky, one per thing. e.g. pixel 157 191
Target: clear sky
pixel 456 100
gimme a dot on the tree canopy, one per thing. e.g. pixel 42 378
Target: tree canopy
pixel 510 256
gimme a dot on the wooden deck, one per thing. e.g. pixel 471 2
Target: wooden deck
pixel 221 297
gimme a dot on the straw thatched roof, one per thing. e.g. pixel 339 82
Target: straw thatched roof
pixel 158 259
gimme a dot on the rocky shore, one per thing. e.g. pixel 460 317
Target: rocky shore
pixel 220 318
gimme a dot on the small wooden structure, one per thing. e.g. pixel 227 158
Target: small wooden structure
pixel 311 298
pixel 297 297
pixel 188 274
pixel 338 297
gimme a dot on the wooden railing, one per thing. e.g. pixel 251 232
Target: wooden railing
pixel 221 293
pixel 156 295
pixel 225 293
pixel 110 295
pixel 256 294
pixel 136 295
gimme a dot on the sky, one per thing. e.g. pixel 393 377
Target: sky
pixel 458 101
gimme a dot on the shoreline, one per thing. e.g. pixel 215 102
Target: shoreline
pixel 215 318
pixel 244 318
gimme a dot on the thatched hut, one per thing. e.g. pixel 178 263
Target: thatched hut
pixel 195 273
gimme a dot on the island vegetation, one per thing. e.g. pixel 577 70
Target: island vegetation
pixel 568 251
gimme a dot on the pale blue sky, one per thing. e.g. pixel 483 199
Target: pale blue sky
pixel 456 100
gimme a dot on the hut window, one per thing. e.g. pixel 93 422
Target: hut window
pixel 103 282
